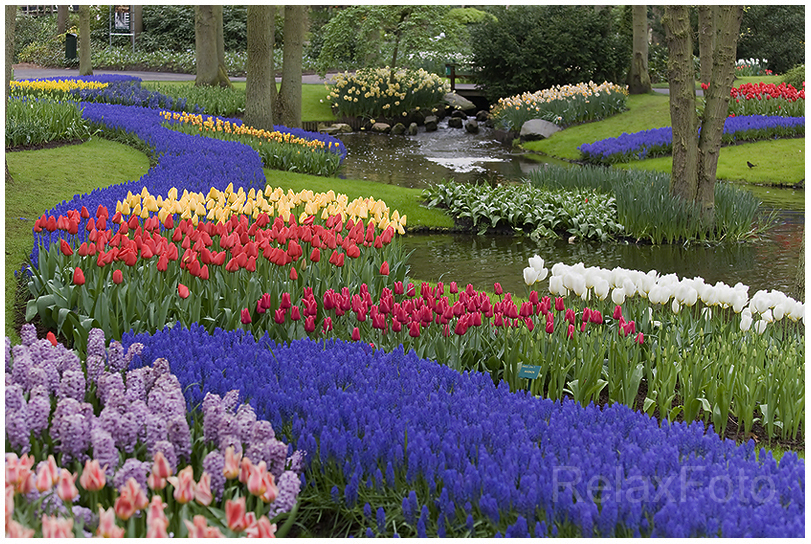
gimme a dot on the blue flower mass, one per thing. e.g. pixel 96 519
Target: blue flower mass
pixel 458 439
pixel 657 142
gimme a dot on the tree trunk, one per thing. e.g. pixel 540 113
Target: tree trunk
pixel 397 32
pixel 85 64
pixel 61 19
pixel 716 99
pixel 289 99
pixel 639 79
pixel 137 20
pixel 683 118
pixel 11 23
pixel 209 69
pixel 799 280
pixel 261 77
pixel 706 41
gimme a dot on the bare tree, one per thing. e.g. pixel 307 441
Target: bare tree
pixel 695 157
pixel 706 41
pixel 260 83
pixel 11 23
pixel 638 77
pixel 207 33
pixel 137 20
pixel 288 102
pixel 85 63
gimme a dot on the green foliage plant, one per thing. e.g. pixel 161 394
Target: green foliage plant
pixel 373 94
pixel 773 32
pixel 31 121
pixel 795 77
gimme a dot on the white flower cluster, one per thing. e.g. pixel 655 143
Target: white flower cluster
pixel 622 283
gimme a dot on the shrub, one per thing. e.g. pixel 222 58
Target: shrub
pixel 30 30
pixel 795 77
pixel 370 93
pixel 530 47
pixel 563 106
pixel 774 32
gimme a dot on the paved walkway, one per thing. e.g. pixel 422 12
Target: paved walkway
pixel 21 72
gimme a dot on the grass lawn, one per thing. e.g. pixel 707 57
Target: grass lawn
pixel 314 106
pixel 43 179
pixel 778 161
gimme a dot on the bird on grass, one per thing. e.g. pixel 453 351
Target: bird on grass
pixel 750 165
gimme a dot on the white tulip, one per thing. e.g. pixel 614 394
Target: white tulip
pixel 746 312
pixel 578 285
pixel 738 302
pixel 536 262
pixel 706 313
pixel 779 311
pixel 746 322
pixel 542 273
pixel 760 326
pixel 767 316
pixel 628 287
pixel 618 295
pixel 530 275
pixel 556 286
pixel 675 306
pixel 601 289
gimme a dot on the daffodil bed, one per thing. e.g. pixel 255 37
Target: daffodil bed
pixel 394 442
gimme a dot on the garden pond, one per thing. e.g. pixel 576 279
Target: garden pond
pixel 448 153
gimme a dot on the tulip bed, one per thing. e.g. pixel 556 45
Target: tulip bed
pixel 658 141
pixel 767 99
pixel 395 443
pixel 563 106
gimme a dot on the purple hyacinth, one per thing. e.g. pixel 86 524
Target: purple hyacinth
pixel 88 519
pixel 115 357
pixel 17 430
pixel 69 360
pixel 288 485
pixel 230 400
pixel 296 461
pixel 133 351
pixel 74 438
pixel 174 403
pixel 156 401
pixel 73 385
pixel 168 451
pixel 155 429
pixel 246 417
pixel 139 412
pixel 28 334
pixel 39 408
pixel 22 364
pixel 177 432
pixel 37 376
pixel 14 398
pixel 160 366
pixel 214 463
pixel 275 457
pixel 262 431
pixel 212 412
pixel 96 344
pixel 108 382
pixel 136 388
pixel 104 450
pixel 228 440
pixel 256 452
pixel 132 468
pixel 95 367
pixel 122 427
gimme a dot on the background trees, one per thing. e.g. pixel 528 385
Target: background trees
pixel 776 33
pixel 527 48
pixel 208 40
pixel 638 78
pixel 260 85
pixel 85 64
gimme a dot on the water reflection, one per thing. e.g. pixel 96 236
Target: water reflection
pixel 431 157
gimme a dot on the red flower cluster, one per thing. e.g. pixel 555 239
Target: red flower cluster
pixel 768 91
pixel 402 308
pixel 235 244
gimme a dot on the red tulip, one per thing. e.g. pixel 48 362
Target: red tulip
pixel 246 316
pixel 550 326
pixel 497 288
pixel 182 290
pixel 293 274
pixel 118 276
pixel 570 331
pixel 309 324
pixel 295 312
pixel 327 326
pixel 355 334
pixel 414 329
pixel 640 338
pixel 65 247
pixel 315 255
pixel 78 276
pixel 559 305
pixel 384 268
pixel 617 311
pixel 51 338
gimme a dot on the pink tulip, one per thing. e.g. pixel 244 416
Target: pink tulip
pixel 202 491
pixel 16 530
pixel 231 468
pixel 57 527
pixel 93 476
pixel 160 465
pixel 183 484
pixel 262 528
pixel 235 515
pixel 66 489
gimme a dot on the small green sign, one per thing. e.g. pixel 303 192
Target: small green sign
pixel 529 371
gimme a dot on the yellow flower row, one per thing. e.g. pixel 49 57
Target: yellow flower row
pixel 220 205
pixel 62 85
pixel 215 124
pixel 531 100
